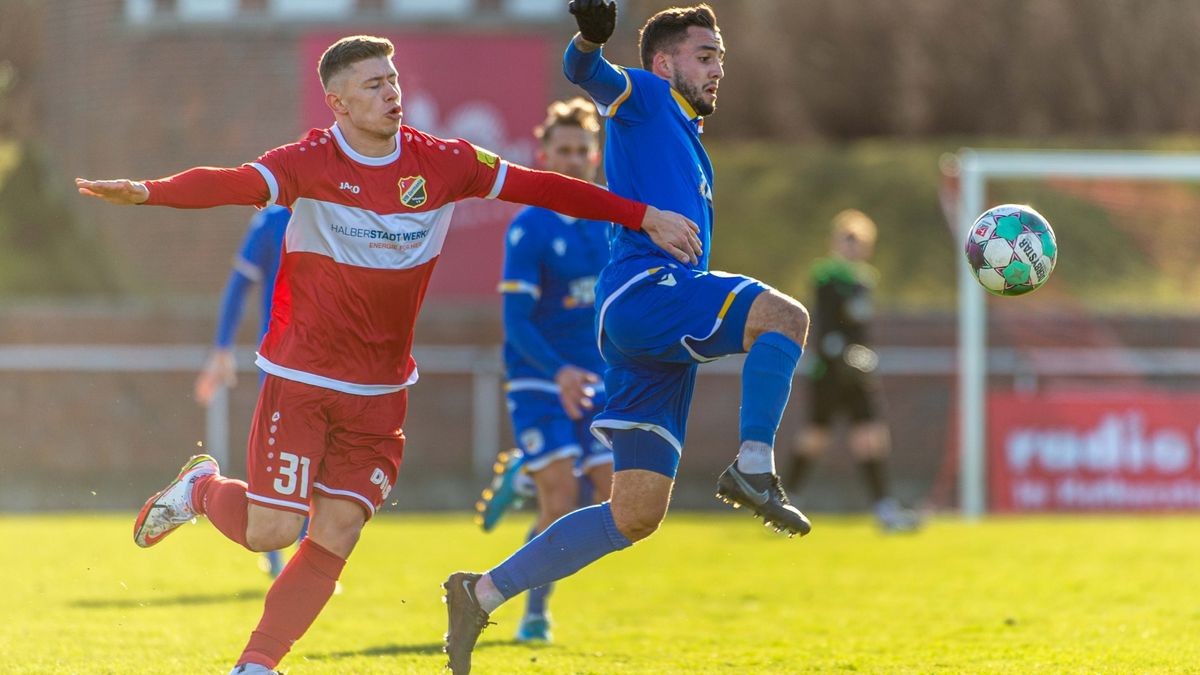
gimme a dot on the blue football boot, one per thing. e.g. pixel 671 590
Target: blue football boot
pixel 510 487
pixel 534 628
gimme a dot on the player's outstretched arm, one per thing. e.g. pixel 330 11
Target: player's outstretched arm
pixel 583 64
pixel 120 191
pixel 219 371
pixel 674 233
pixel 198 188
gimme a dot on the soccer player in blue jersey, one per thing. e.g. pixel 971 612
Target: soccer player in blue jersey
pixel 550 267
pixel 658 319
pixel 256 263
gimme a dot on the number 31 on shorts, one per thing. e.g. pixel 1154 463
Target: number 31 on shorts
pixel 293 475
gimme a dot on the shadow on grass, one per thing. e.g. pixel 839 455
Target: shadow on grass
pixel 428 648
pixel 170 601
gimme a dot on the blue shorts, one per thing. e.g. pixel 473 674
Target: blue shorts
pixel 654 330
pixel 545 433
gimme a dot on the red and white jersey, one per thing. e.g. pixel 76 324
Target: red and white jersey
pixel 363 239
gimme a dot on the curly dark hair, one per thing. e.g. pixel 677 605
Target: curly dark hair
pixel 575 112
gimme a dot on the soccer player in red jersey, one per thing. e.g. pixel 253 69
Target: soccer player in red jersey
pixel 371 203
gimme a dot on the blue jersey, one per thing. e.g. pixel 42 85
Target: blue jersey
pixel 257 262
pixel 550 267
pixel 658 318
pixel 652 154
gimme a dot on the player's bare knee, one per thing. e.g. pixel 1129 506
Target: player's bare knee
pixel 337 524
pixel 793 321
pixel 774 312
pixel 638 525
pixel 270 535
pixel 638 521
pixel 338 541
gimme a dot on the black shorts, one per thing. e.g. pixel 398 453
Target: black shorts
pixel 855 395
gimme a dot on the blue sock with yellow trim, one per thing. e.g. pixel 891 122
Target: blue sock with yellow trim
pixel 766 385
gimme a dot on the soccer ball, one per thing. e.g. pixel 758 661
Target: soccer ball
pixel 1011 249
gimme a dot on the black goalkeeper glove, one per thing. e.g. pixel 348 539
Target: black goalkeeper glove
pixel 596 19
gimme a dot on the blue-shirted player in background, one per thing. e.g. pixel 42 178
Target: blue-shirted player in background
pixel 256 263
pixel 658 318
pixel 550 267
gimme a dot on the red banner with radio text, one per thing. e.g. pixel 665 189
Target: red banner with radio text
pixel 1094 451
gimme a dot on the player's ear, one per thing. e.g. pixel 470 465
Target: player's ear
pixel 334 101
pixel 540 155
pixel 662 66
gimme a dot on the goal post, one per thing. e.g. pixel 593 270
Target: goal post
pixel 976 168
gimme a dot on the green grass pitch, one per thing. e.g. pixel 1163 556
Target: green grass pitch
pixel 709 593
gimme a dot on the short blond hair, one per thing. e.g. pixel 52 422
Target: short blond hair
pixel 857 224
pixel 576 112
pixel 349 51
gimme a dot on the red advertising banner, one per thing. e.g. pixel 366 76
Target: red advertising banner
pixel 1094 451
pixel 491 90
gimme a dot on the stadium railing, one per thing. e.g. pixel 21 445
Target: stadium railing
pixel 484 367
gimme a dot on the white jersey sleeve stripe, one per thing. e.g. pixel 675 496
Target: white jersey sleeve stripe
pixel 610 110
pixel 248 269
pixel 272 184
pixel 499 184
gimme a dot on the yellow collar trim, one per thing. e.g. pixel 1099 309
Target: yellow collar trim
pixel 684 105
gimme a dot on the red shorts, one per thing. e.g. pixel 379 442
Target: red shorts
pixel 306 439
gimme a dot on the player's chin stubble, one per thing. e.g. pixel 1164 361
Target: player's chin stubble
pixel 695 98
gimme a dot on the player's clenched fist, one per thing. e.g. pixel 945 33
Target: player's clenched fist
pixel 596 19
pixel 114 191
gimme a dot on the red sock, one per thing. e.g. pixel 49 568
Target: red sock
pixel 224 501
pixel 293 603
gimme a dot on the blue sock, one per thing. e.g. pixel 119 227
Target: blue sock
pixel 535 599
pixel 274 562
pixel 766 385
pixel 573 542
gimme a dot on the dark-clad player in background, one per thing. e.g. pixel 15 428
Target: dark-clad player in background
pixel 844 383
pixel 371 205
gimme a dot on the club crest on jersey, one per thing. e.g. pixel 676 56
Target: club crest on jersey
pixel 412 191
pixel 486 157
